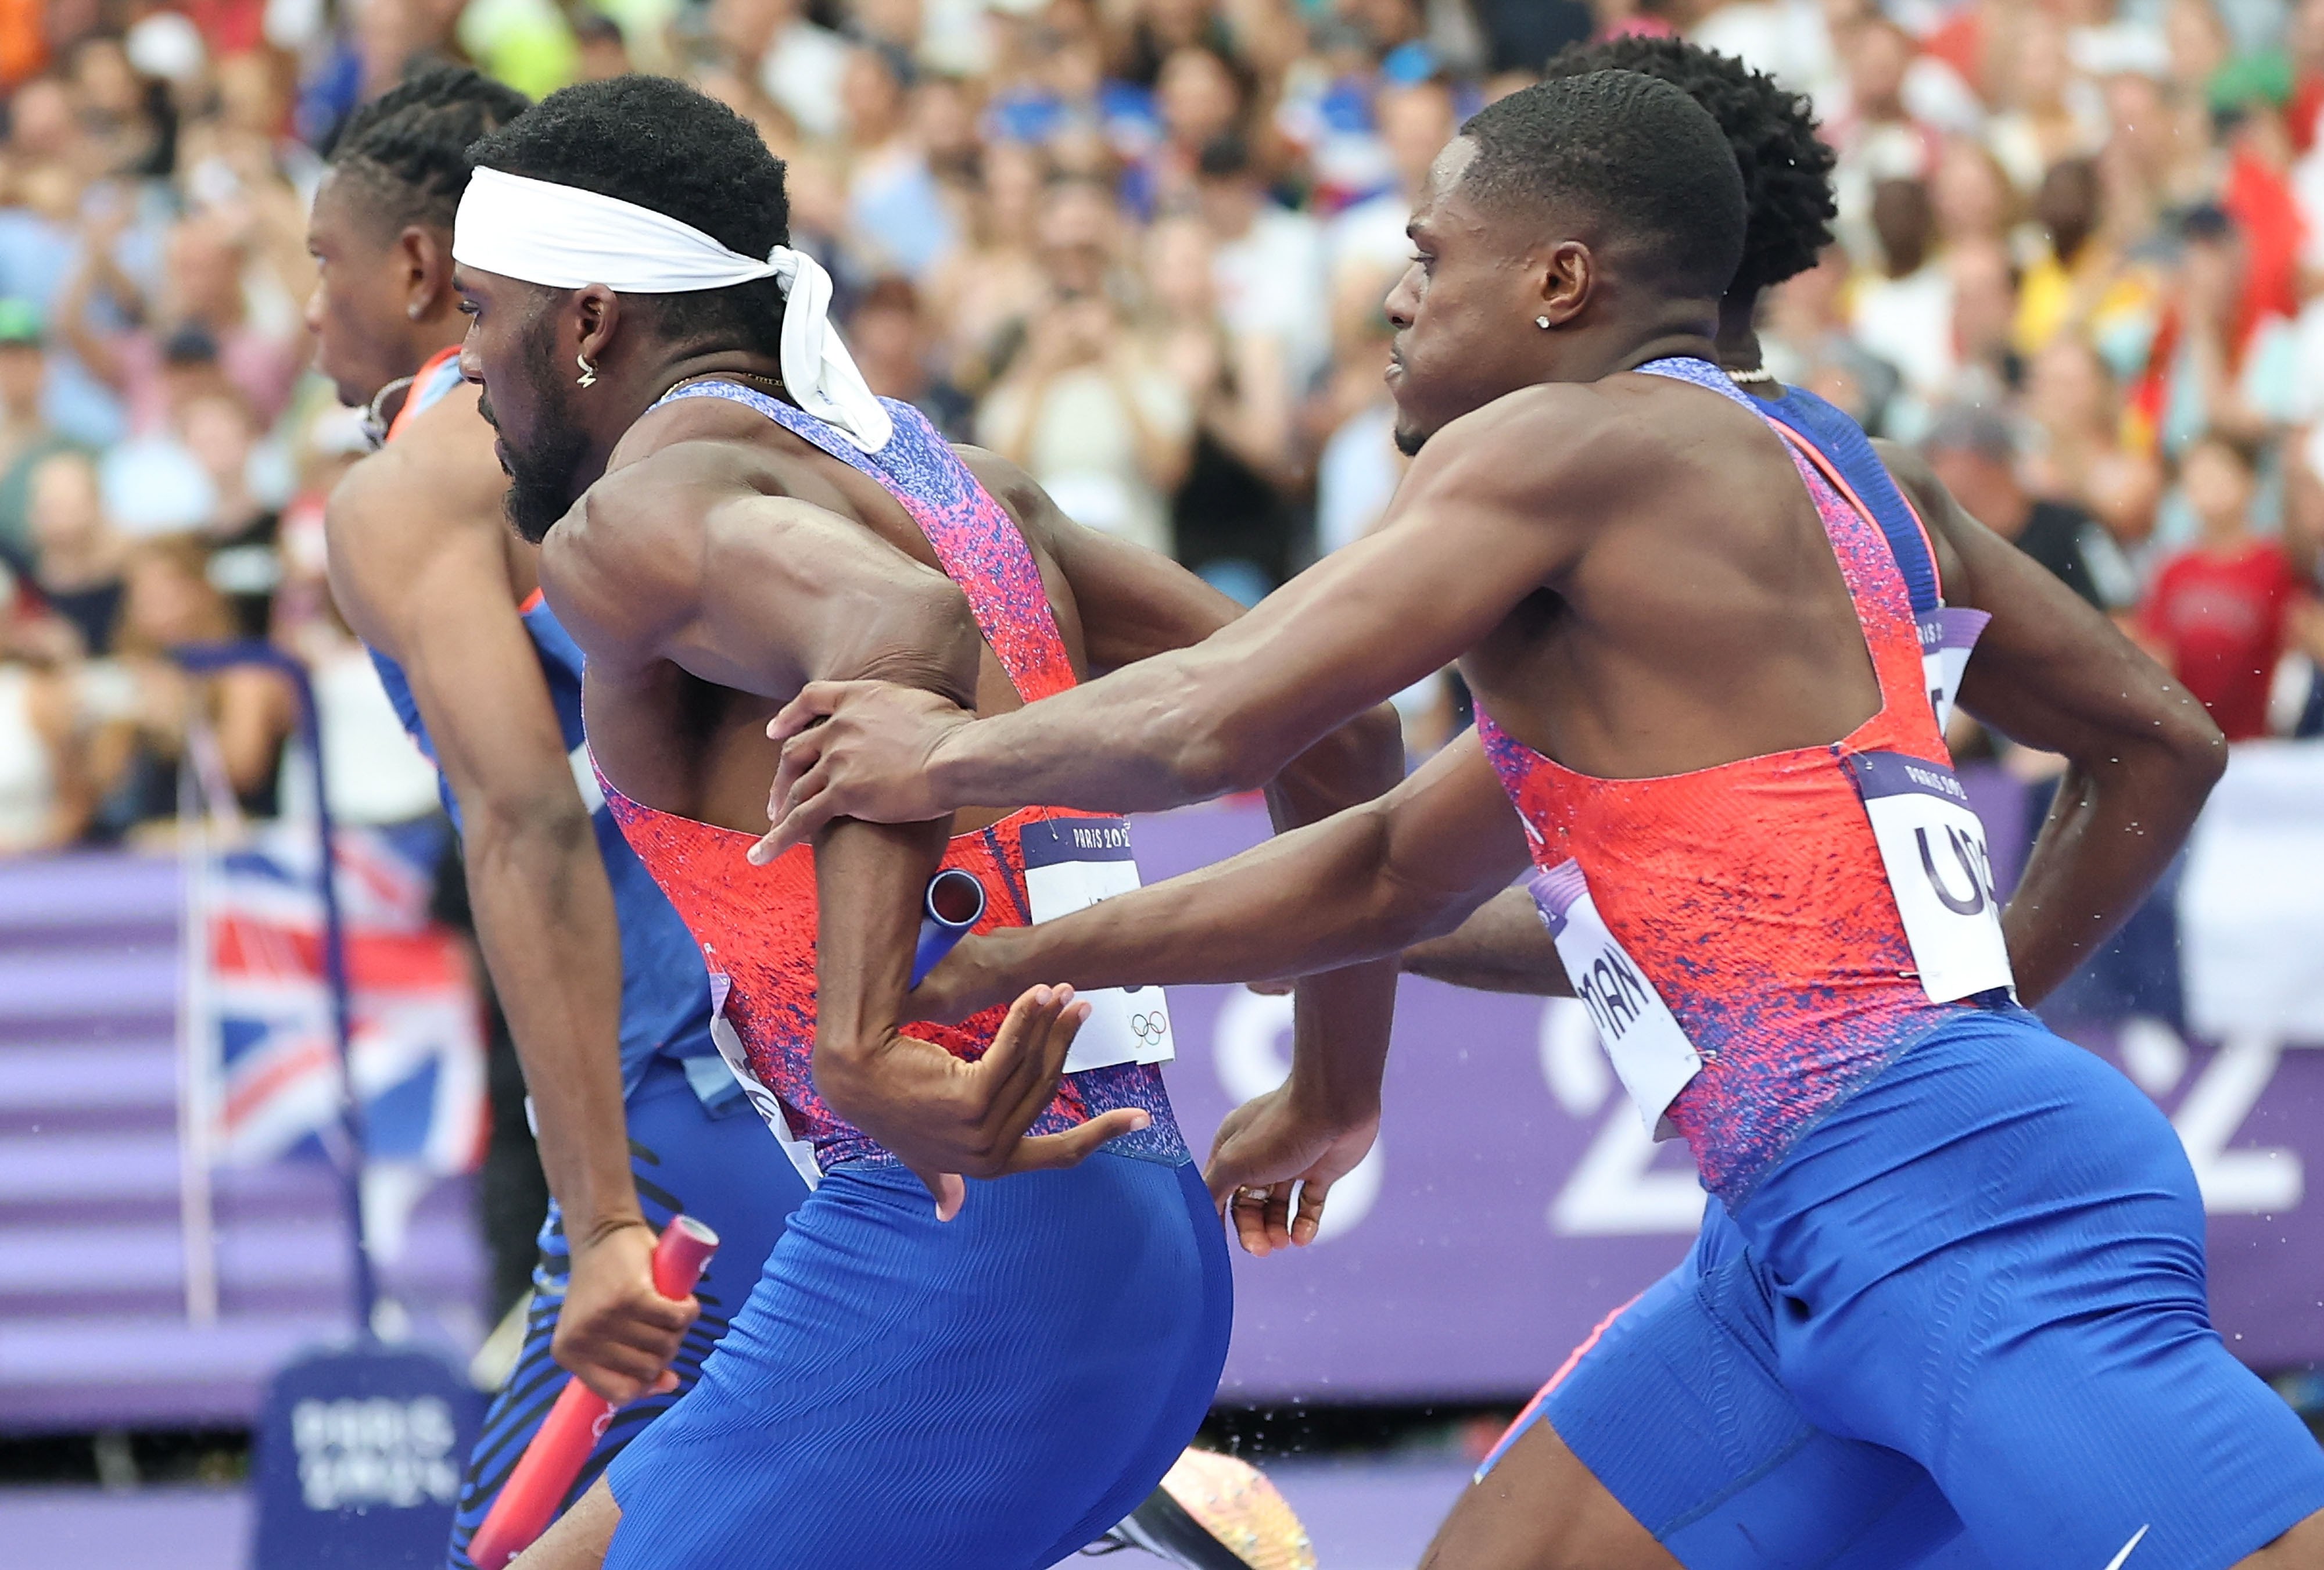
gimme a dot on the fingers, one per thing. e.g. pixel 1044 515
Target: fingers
pixel 1262 1216
pixel 816 701
pixel 1309 1220
pixel 812 807
pixel 1276 987
pixel 796 812
pixel 797 758
pixel 945 1188
pixel 1047 1153
pixel 1027 1055
pixel 615 1371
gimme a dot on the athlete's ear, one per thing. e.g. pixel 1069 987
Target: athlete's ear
pixel 1568 276
pixel 597 313
pixel 427 257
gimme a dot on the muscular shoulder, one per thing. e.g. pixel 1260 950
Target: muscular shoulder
pixel 627 561
pixel 1571 443
pixel 438 489
pixel 1018 494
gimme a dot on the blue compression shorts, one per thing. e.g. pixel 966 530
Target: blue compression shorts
pixel 723 1167
pixel 1971 1297
pixel 987 1393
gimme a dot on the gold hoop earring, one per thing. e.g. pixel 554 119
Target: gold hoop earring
pixel 588 377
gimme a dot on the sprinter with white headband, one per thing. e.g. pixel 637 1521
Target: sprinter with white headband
pixel 635 1118
pixel 988 1331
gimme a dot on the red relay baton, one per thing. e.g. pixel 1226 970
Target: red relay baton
pixel 544 1473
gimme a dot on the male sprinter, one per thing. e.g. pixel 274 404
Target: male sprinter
pixel 990 1380
pixel 605 991
pixel 1940 1231
pixel 1786 171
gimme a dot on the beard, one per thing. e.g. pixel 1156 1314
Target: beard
pixel 541 474
pixel 540 479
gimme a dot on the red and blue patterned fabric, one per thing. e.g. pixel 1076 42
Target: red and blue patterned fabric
pixel 757 925
pixel 1753 893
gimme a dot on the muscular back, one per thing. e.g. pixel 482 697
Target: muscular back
pixel 761 563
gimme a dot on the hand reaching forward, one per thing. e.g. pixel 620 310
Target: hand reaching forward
pixel 945 1119
pixel 854 749
pixel 1266 1147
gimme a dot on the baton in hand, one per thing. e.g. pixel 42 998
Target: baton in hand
pixel 544 1473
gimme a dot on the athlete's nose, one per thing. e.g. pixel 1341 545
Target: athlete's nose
pixel 1402 301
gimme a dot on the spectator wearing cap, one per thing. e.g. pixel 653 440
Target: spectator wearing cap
pixel 26 435
pixel 2219 362
pixel 1973 453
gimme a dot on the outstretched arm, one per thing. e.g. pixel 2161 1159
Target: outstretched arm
pixel 1133 605
pixel 1358 886
pixel 1503 947
pixel 671 559
pixel 2053 673
pixel 1362 884
pixel 1468 537
pixel 418 565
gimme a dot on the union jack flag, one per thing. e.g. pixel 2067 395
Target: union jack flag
pixel 262 1006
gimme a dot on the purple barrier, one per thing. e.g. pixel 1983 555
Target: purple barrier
pixel 1513 1199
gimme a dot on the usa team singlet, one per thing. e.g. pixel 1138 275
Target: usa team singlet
pixel 1951 1272
pixel 989 1393
pixel 694 1148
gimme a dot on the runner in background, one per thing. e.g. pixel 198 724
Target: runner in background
pixel 638 1119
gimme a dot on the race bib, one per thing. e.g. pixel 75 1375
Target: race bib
pixel 1948 635
pixel 1933 848
pixel 1649 1049
pixel 1070 865
pixel 730 1048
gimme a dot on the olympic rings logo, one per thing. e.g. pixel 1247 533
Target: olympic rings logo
pixel 1150 1028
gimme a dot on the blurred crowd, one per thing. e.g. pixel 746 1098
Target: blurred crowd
pixel 1141 247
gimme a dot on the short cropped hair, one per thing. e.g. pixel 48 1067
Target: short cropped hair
pixel 1787 167
pixel 1637 154
pixel 410 144
pixel 658 143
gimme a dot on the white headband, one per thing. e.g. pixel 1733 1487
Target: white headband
pixel 562 237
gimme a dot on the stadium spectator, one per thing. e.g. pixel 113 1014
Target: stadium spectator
pixel 1972 451
pixel 26 434
pixel 2223 611
pixel 77 556
pixel 1141 244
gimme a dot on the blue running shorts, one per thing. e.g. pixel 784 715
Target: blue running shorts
pixel 987 1393
pixel 1973 1296
pixel 722 1167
